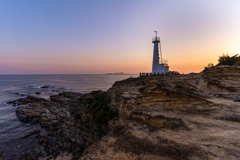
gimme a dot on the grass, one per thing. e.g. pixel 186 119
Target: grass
pixel 98 106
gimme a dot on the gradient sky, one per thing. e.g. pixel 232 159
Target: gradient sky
pixel 100 36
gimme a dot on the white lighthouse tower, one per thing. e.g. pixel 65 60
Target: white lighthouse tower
pixel 161 68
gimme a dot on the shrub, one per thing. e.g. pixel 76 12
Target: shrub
pixel 209 66
pixel 227 60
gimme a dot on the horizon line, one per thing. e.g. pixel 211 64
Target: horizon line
pixel 68 74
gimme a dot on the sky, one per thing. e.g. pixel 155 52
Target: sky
pixel 103 36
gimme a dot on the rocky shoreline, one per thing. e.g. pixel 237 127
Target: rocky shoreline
pixel 194 116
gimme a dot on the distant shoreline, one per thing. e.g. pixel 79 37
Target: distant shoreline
pixel 120 73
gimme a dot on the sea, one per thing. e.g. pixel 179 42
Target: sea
pixel 12 87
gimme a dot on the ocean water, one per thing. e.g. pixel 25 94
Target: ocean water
pixel 13 87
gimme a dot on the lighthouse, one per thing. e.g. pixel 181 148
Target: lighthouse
pixel 159 66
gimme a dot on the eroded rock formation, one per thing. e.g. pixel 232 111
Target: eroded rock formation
pixel 194 116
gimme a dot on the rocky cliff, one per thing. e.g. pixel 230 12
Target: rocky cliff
pixel 194 116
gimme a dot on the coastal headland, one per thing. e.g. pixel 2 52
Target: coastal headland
pixel 192 116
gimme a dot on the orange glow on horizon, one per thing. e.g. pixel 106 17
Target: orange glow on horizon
pixel 56 65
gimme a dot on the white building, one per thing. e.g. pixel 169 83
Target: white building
pixel 158 68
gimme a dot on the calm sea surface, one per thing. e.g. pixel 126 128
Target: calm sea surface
pixel 13 87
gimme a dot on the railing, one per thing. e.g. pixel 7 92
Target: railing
pixel 150 74
pixel 165 62
pixel 155 39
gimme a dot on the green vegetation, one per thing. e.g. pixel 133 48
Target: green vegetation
pixel 98 106
pixel 225 60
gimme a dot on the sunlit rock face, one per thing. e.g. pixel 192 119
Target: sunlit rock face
pixel 194 116
pixel 222 82
pixel 190 116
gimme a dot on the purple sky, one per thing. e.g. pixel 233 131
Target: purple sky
pixel 80 37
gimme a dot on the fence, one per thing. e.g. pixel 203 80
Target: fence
pixel 150 74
